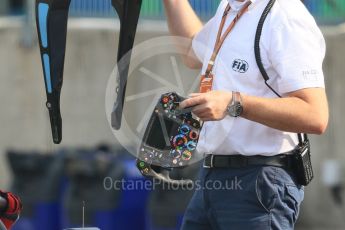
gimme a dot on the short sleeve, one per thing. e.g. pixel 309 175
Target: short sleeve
pixel 297 51
pixel 201 39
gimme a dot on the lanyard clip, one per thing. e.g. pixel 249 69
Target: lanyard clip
pixel 209 68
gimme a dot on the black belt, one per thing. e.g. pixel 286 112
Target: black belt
pixel 240 161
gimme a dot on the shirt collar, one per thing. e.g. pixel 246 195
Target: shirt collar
pixel 237 5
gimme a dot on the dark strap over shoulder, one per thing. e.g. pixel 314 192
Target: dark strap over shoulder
pixel 264 74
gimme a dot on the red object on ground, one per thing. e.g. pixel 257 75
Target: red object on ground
pixel 10 209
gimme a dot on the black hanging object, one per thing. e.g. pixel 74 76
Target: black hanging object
pixel 51 21
pixel 128 11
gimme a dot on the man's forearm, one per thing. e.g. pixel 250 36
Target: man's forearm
pixel 183 22
pixel 291 114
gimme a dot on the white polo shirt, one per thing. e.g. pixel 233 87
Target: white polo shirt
pixel 292 50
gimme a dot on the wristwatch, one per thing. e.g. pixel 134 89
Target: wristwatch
pixel 235 108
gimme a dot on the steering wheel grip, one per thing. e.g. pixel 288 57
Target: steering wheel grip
pixel 164 174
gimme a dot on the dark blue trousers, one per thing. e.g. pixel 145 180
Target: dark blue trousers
pixel 255 197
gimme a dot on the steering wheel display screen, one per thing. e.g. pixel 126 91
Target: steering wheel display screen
pixel 160 133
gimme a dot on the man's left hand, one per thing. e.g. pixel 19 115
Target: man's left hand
pixel 210 106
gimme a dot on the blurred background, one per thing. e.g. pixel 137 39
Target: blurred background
pixel 53 181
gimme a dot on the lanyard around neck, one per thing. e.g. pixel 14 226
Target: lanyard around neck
pixel 220 39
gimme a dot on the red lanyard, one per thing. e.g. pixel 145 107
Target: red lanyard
pixel 207 78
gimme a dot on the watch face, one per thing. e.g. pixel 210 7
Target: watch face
pixel 235 110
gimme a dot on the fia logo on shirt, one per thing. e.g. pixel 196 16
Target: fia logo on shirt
pixel 240 66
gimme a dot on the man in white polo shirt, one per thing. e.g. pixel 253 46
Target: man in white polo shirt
pixel 262 126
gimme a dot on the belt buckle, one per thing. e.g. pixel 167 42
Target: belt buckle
pixel 211 163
